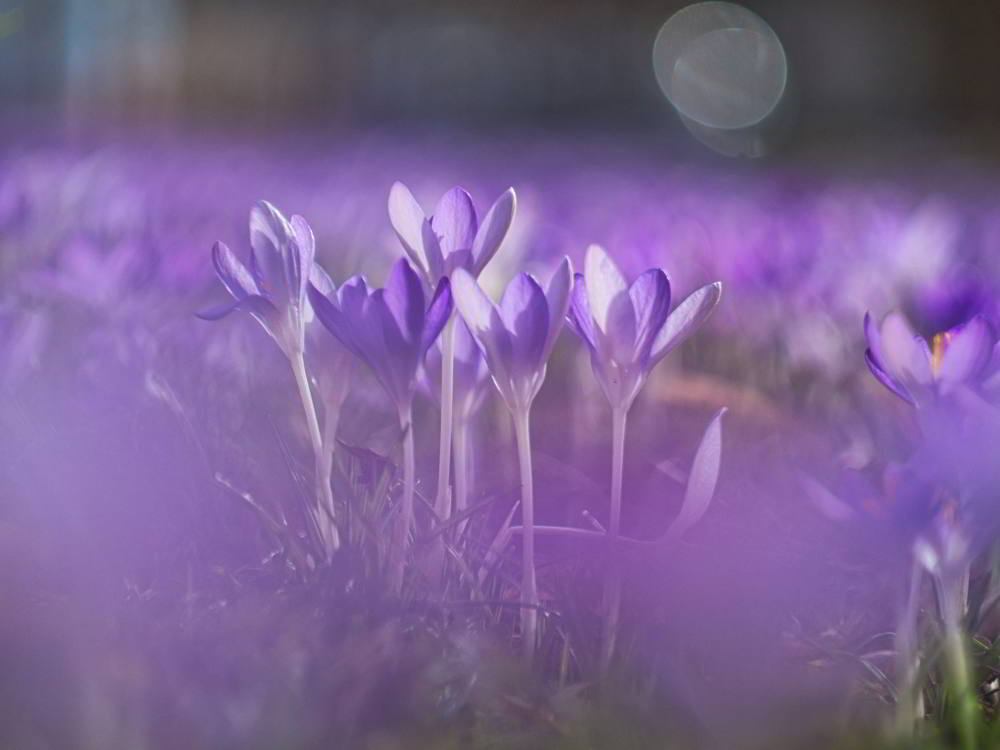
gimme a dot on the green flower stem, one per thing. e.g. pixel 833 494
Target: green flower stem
pixel 952 600
pixel 613 582
pixel 909 702
pixel 442 504
pixel 529 585
pixel 461 447
pixel 324 513
pixel 404 521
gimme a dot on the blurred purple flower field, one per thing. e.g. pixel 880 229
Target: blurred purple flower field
pixel 200 544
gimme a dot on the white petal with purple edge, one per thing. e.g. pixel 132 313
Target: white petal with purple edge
pixel 493 229
pixel 486 326
pixel 967 354
pixel 686 318
pixel 907 358
pixel 233 274
pixel 605 284
pixel 454 221
pixel 525 314
pixel 650 296
pixel 557 295
pixel 407 219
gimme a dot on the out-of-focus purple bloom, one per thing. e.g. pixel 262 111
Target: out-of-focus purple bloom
pixel 452 237
pixel 24 336
pixel 628 329
pixel 471 371
pixel 917 371
pixel 390 329
pixel 273 287
pixel 516 336
pixel 943 305
pixel 90 274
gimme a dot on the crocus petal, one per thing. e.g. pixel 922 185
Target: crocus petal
pixel 650 295
pixel 234 275
pixel 305 244
pixel 968 353
pixel 352 295
pixel 605 285
pixel 404 299
pixel 432 252
pixel 907 357
pixel 525 314
pixel 884 378
pixel 457 259
pixel 438 313
pixel 334 319
pixel 255 270
pixel 217 312
pixel 258 306
pixel 270 235
pixel 454 221
pixel 407 219
pixel 686 318
pixel 393 358
pixel 320 279
pixel 873 337
pixel 557 297
pixel 486 326
pixel 579 316
pixel 492 230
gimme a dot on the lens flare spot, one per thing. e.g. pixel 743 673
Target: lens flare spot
pixel 720 66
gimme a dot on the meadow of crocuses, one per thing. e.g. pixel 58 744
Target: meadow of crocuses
pixel 304 446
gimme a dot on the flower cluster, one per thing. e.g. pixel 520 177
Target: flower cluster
pixel 395 331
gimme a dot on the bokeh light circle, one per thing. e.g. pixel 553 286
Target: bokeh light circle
pixel 720 65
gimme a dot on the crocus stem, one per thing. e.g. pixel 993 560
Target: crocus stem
pixel 952 602
pixel 613 583
pixel 324 494
pixel 529 586
pixel 909 703
pixel 461 447
pixel 331 421
pixel 404 520
pixel 442 506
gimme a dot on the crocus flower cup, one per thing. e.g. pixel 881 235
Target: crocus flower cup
pixel 452 237
pixel 920 373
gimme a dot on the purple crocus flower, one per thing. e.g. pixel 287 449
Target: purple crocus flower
pixel 516 336
pixel 389 329
pixel 629 329
pixel 917 371
pixel 516 339
pixel 273 287
pixel 452 237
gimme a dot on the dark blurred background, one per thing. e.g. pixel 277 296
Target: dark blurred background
pixel 855 67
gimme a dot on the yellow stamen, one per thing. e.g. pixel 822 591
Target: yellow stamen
pixel 939 345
